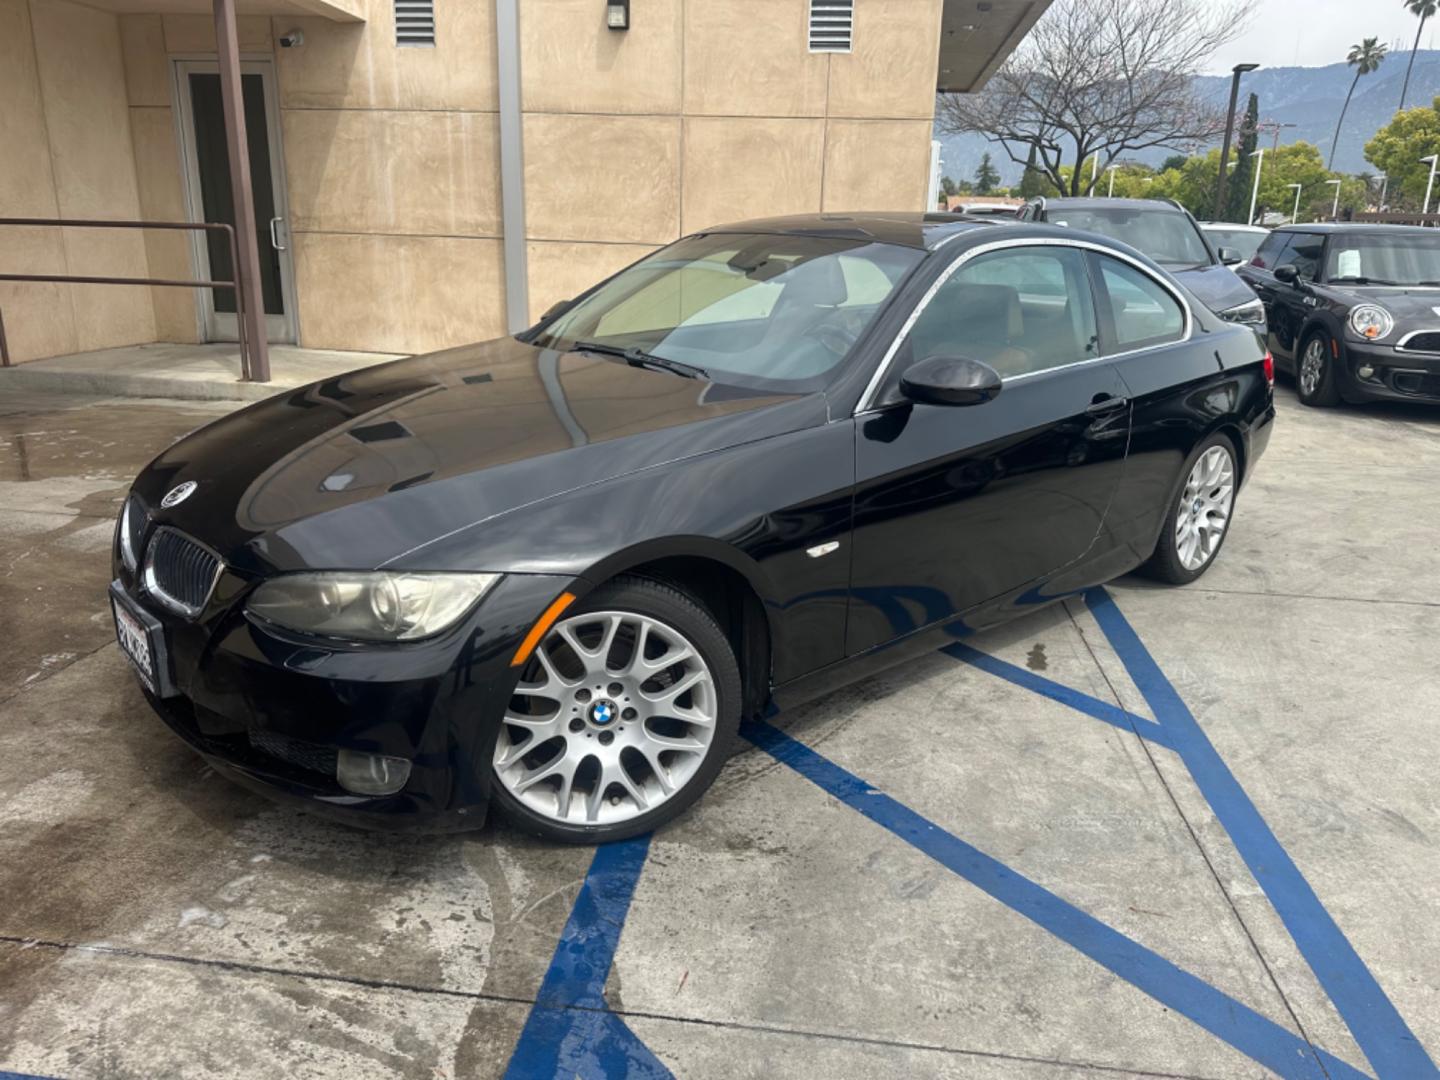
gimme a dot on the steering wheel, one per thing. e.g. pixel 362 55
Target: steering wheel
pixel 836 337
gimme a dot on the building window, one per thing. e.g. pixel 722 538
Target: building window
pixel 830 25
pixel 415 22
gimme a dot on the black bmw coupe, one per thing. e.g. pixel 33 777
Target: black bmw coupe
pixel 1353 310
pixel 553 572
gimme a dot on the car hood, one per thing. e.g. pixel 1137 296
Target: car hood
pixel 354 471
pixel 1217 287
pixel 1414 307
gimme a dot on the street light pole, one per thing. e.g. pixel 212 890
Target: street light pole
pixel 1255 191
pixel 1239 70
pixel 1384 179
pixel 1335 210
pixel 1295 215
pixel 1111 170
pixel 1433 159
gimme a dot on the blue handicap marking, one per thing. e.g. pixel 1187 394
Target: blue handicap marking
pixel 572 1032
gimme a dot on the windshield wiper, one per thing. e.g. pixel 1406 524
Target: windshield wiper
pixel 637 357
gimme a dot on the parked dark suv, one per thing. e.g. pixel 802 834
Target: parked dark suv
pixel 1353 310
pixel 1165 231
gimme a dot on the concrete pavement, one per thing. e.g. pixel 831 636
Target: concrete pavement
pixel 156 921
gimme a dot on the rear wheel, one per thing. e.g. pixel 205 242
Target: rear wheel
pixel 621 719
pixel 1199 517
pixel 1315 373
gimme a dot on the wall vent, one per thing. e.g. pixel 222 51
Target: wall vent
pixel 415 22
pixel 831 22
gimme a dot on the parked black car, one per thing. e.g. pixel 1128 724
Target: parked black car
pixel 1165 231
pixel 1353 310
pixel 554 571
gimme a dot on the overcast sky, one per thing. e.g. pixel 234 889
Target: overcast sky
pixel 1313 33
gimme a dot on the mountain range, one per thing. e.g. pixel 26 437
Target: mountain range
pixel 1308 97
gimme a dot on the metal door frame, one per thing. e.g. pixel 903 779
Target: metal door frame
pixel 219 325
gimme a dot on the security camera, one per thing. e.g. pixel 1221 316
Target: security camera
pixel 292 39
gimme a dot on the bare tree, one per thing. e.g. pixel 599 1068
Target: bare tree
pixel 1103 77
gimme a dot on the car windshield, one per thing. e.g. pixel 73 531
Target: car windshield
pixel 768 311
pixel 1166 235
pixel 1390 260
pixel 1245 241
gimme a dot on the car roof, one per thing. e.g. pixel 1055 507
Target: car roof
pixel 1355 227
pixel 915 229
pixel 1233 225
pixel 1089 202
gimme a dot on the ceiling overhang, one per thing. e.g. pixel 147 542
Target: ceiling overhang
pixel 337 10
pixel 976 36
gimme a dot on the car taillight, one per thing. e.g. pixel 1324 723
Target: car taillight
pixel 1269 366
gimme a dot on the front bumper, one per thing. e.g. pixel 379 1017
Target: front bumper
pixel 271 710
pixel 1396 375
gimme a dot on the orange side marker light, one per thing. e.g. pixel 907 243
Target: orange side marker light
pixel 542 624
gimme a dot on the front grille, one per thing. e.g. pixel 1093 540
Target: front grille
pixel 1425 341
pixel 179 572
pixel 306 755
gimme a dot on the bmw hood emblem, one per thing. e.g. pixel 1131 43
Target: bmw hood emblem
pixel 601 713
pixel 178 494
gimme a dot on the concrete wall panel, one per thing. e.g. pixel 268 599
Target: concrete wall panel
pixel 570 61
pixel 740 167
pixel 876 164
pixel 751 58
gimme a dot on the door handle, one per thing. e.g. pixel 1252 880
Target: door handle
pixel 275 235
pixel 1107 404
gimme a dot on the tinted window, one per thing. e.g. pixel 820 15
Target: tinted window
pixel 1268 257
pixel 1303 253
pixel 769 311
pixel 1143 310
pixel 1244 241
pixel 1019 310
pixel 1165 234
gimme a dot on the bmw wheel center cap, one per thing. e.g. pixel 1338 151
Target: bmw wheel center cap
pixel 602 713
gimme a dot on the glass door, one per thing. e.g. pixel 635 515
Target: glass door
pixel 207 167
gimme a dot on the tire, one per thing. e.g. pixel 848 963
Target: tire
pixel 1316 387
pixel 617 757
pixel 1185 551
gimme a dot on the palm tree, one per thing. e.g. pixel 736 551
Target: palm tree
pixel 1364 58
pixel 1424 9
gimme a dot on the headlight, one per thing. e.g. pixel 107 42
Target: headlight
pixel 1371 322
pixel 369 606
pixel 1251 312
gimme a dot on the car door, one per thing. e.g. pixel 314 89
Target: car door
pixel 1145 328
pixel 959 505
pixel 1288 306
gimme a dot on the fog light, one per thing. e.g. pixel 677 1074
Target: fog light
pixel 371 774
pixel 1365 371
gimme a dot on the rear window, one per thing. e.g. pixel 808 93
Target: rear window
pixel 1164 233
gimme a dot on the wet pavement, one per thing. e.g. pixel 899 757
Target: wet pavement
pixel 1186 832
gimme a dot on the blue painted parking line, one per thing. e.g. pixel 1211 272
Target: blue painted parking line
pixel 571 1031
pixel 1237 1024
pixel 1380 1031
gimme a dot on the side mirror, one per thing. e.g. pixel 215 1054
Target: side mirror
pixel 950 380
pixel 1229 256
pixel 1287 275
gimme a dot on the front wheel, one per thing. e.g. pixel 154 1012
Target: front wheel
pixel 1315 374
pixel 1199 517
pixel 622 717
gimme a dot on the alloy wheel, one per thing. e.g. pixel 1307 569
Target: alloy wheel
pixel 1312 367
pixel 1205 506
pixel 614 714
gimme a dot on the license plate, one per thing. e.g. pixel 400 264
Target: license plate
pixel 134 642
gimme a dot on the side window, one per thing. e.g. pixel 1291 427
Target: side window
pixel 1143 312
pixel 1304 254
pixel 1020 310
pixel 1271 250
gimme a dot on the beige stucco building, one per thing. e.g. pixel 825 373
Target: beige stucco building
pixel 379 160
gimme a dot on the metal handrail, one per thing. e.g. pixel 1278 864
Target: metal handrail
pixel 246 371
